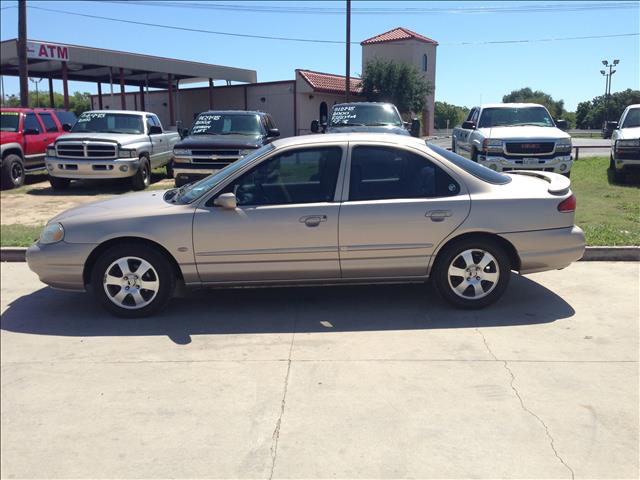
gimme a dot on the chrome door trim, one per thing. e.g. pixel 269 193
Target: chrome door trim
pixel 269 251
pixel 390 246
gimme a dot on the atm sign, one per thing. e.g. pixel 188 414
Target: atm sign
pixel 47 51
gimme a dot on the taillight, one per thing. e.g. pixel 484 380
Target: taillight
pixel 568 204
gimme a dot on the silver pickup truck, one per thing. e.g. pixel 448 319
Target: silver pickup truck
pixel 514 136
pixel 625 143
pixel 106 144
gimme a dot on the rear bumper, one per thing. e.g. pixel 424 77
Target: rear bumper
pixel 60 265
pixel 97 169
pixel 553 249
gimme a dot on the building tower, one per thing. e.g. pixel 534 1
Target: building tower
pixel 403 45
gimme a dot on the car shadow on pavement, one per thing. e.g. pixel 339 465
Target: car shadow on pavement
pixel 283 310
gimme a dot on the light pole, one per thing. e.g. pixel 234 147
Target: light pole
pixel 607 85
pixel 37 93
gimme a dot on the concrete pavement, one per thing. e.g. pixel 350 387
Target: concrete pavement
pixel 352 382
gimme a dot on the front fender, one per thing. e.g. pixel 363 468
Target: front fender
pixel 6 147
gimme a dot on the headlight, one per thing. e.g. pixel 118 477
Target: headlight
pixel 563 145
pixel 246 152
pixel 51 151
pixel 52 233
pixel 628 143
pixel 127 153
pixel 182 151
pixel 492 145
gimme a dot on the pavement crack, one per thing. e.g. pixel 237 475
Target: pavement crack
pixel 524 407
pixel 275 437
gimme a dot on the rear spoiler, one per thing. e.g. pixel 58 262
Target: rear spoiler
pixel 558 184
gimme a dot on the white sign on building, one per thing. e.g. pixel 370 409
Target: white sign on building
pixel 47 51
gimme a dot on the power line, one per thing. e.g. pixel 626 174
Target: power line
pixel 310 40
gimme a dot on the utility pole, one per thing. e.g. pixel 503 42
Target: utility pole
pixel 607 85
pixel 37 92
pixel 22 53
pixel 347 82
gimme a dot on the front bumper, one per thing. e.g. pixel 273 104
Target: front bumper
pixel 553 249
pixel 92 168
pixel 627 158
pixel 558 164
pixel 60 265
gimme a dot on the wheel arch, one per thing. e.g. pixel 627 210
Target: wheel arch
pixel 14 149
pixel 104 246
pixel 506 244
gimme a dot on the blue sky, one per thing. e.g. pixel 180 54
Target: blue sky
pixel 466 74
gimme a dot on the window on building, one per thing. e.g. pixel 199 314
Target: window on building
pixel 425 62
pixel 324 112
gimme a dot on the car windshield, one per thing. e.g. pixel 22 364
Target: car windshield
pixel 475 169
pixel 365 115
pixel 631 120
pixel 102 122
pixel 512 117
pixel 10 121
pixel 226 124
pixel 193 191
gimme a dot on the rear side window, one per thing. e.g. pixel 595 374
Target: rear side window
pixel 49 122
pixel 32 123
pixel 66 117
pixel 383 173
pixel 475 169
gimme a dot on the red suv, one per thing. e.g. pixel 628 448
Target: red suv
pixel 25 134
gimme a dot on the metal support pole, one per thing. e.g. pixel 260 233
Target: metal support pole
pixel 211 94
pixel 170 92
pixel 123 99
pixel 347 83
pixel 52 103
pixel 142 106
pixel 22 53
pixel 65 85
pixel 99 96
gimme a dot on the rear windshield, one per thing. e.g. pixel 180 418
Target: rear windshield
pixel 475 169
pixel 10 121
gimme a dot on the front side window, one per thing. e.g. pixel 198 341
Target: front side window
pixel 102 122
pixel 49 123
pixel 384 173
pixel 31 122
pixel 298 176
pixel 227 124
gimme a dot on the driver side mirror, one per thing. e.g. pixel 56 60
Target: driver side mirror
pixel 415 127
pixel 315 126
pixel 273 132
pixel 184 132
pixel 468 125
pixel 66 127
pixel 227 201
pixel 562 124
pixel 155 130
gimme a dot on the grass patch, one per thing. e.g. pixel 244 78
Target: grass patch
pixel 608 213
pixel 19 235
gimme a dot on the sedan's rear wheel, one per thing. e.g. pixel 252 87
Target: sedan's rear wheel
pixel 472 273
pixel 132 280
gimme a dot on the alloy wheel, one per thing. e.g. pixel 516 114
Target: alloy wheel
pixel 131 283
pixel 473 274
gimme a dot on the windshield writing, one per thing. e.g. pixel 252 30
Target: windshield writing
pixel 100 122
pixel 365 115
pixel 511 117
pixel 227 124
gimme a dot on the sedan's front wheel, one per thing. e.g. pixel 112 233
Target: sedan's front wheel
pixel 472 273
pixel 133 280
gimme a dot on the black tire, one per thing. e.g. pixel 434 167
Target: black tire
pixel 568 174
pixel 142 178
pixel 451 256
pixel 169 168
pixel 474 155
pixel 180 181
pixel 161 270
pixel 59 183
pixel 453 145
pixel 12 174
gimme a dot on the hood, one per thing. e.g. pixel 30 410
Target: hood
pixel 11 137
pixel 134 205
pixel 528 132
pixel 372 129
pixel 122 138
pixel 629 133
pixel 221 141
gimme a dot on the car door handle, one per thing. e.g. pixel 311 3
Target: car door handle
pixel 313 220
pixel 438 215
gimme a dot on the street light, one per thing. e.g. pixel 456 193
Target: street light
pixel 37 93
pixel 607 85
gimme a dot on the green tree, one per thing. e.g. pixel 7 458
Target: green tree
pixel 444 111
pixel 396 82
pixel 591 113
pixel 526 95
pixel 78 102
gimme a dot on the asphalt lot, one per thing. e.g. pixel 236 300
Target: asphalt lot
pixel 353 382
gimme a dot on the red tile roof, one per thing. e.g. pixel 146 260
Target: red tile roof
pixel 328 82
pixel 397 35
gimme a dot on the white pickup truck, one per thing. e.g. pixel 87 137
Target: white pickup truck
pixel 625 143
pixel 514 136
pixel 107 144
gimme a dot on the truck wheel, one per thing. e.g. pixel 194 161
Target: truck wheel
pixel 59 183
pixel 133 280
pixel 170 169
pixel 12 172
pixel 142 178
